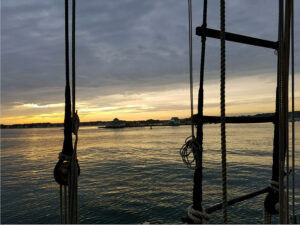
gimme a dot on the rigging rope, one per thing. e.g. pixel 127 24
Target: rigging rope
pixel 67 169
pixel 73 57
pixel 188 148
pixel 293 113
pixel 281 167
pixel 280 40
pixel 195 213
pixel 191 143
pixel 223 124
pixel 61 168
pixel 191 63
pixel 75 126
pixel 287 116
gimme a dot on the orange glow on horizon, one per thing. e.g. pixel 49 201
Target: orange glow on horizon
pixel 244 96
pixel 133 116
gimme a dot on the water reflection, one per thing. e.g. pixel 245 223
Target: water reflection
pixel 133 175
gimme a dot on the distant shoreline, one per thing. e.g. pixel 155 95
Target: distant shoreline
pixel 140 123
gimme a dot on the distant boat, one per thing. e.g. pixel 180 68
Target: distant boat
pixel 116 123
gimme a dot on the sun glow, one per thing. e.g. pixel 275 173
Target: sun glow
pixel 245 95
pixel 32 105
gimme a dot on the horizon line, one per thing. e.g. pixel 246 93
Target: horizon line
pixel 2 124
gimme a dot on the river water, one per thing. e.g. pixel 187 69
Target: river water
pixel 135 175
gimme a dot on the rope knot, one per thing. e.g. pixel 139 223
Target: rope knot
pixel 197 216
pixel 272 199
pixel 274 185
pixel 190 146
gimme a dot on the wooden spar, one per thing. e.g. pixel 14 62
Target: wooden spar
pixel 234 119
pixel 203 31
pixel 236 200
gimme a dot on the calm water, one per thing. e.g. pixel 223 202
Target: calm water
pixel 134 175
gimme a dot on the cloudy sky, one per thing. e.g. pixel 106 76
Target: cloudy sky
pixel 132 59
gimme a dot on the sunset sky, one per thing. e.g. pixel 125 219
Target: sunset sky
pixel 132 59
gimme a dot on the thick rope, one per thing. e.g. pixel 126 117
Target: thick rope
pixel 197 216
pixel 293 112
pixel 223 125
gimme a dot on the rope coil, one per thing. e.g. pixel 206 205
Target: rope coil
pixel 189 150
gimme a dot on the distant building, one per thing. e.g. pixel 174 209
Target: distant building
pixel 174 121
pixel 116 123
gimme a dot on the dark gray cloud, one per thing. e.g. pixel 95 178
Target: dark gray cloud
pixel 125 46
